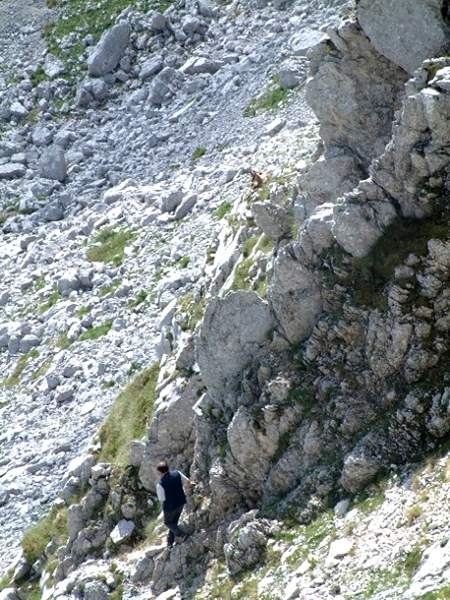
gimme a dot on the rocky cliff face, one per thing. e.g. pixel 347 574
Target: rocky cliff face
pixel 290 331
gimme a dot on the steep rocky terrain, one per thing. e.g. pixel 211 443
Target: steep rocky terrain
pixel 225 243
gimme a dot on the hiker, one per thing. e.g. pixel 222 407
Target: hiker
pixel 169 490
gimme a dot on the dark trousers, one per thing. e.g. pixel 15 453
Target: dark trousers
pixel 171 518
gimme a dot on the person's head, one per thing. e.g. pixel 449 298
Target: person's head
pixel 162 467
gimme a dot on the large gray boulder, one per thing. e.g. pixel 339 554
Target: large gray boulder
pixel 418 149
pixel 360 467
pixel 405 31
pixel 357 227
pixel 53 164
pixel 108 51
pixel 12 170
pixel 233 330
pixel 294 294
pixel 326 180
pixel 353 92
pixel 275 221
pixel 162 86
pixel 292 72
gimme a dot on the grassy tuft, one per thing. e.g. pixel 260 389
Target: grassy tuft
pixel 128 417
pixel 271 100
pixel 50 301
pixel 222 210
pixel 442 594
pixel 198 152
pixel 96 332
pixel 35 539
pixel 110 246
pixel 14 378
pixel 141 297
pixel 184 261
pixel 189 312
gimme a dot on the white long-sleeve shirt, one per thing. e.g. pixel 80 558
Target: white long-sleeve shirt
pixel 161 492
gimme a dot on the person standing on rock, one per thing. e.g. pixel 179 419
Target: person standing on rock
pixel 170 492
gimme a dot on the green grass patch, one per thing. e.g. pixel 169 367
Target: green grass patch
pixel 222 210
pixel 270 101
pixel 189 312
pixel 14 378
pixel 51 527
pixel 83 311
pixel 129 416
pixel 38 77
pixel 96 332
pixel 110 289
pixel 241 279
pixel 50 300
pixel 265 244
pixel 109 245
pixel 39 282
pixel 62 341
pixel 184 261
pixel 198 152
pixel 32 118
pixel 43 368
pixel 141 297
pixel 106 385
pixel 249 245
pixel 442 594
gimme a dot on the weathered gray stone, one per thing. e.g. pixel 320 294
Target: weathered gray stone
pixel 359 469
pixel 357 227
pixel 18 110
pixel 292 72
pixel 9 593
pixel 233 329
pixel 64 393
pixel 196 65
pixel 157 22
pixel 171 200
pixel 75 521
pixel 171 428
pixel 122 531
pixel 53 164
pixel 149 68
pixel 326 180
pixel 42 136
pixel 275 221
pixel 28 342
pixel 108 51
pixel 304 40
pixel 96 590
pixel 345 91
pixel 294 295
pixel 80 467
pixel 12 170
pixel 136 453
pixel 405 31
pixel 407 163
pixel 185 207
pixel 53 66
pixel 69 281
pixel 162 85
pixel 99 89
